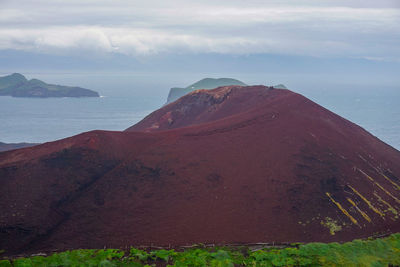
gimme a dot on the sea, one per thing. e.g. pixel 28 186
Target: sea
pixel 126 98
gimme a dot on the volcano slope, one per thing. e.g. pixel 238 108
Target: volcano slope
pixel 229 165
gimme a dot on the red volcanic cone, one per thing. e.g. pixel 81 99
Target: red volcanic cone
pixel 229 165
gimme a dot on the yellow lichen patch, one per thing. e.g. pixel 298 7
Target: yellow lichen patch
pixel 342 209
pixel 302 223
pixel 368 202
pixel 390 208
pixel 381 187
pixel 331 225
pixel 388 193
pixel 366 217
pixel 366 175
pixel 390 180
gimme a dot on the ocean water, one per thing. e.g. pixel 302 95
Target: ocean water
pixel 127 98
pixel 376 109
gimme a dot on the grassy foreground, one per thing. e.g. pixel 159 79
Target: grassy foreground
pixel 377 252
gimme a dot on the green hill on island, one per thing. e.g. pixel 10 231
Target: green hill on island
pixel 16 85
pixel 207 83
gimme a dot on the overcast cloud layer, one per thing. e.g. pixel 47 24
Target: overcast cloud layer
pixel 352 29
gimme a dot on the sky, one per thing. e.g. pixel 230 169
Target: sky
pixel 353 35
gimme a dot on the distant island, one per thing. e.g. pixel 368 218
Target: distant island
pixel 279 86
pixel 16 85
pixel 6 147
pixel 207 83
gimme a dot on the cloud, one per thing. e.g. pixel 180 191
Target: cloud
pixel 363 29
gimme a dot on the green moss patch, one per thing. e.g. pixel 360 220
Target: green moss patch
pixel 378 252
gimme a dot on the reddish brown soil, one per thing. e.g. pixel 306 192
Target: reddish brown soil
pixel 252 165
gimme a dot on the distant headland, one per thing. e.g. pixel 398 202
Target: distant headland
pixel 6 147
pixel 16 85
pixel 207 83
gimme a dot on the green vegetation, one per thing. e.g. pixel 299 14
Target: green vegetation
pixel 378 252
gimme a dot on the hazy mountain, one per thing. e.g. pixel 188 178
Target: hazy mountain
pixel 11 146
pixel 280 86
